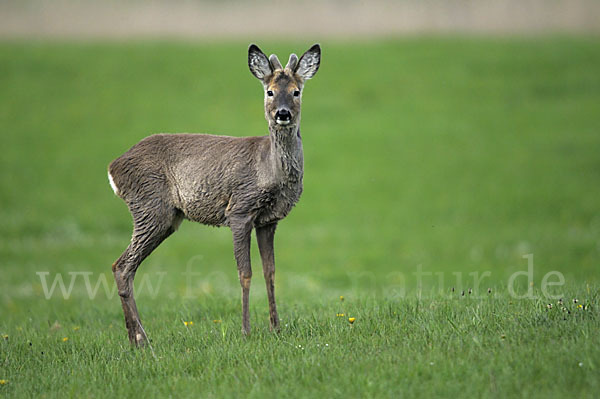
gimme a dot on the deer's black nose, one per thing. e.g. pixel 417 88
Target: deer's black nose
pixel 283 115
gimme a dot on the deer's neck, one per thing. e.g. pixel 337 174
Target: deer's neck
pixel 286 152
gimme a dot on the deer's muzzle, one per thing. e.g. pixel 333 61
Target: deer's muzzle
pixel 283 116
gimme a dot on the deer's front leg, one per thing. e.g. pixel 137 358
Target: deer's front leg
pixel 265 236
pixel 242 229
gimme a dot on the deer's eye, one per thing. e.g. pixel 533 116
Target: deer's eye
pixel 270 93
pixel 296 93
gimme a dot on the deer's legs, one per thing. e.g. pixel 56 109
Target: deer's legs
pixel 265 236
pixel 148 233
pixel 242 228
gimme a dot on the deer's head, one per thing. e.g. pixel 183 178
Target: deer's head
pixel 283 86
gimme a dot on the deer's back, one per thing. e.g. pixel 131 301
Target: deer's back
pixel 207 177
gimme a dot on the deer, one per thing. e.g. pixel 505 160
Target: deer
pixel 244 183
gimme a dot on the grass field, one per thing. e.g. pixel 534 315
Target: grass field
pixel 432 167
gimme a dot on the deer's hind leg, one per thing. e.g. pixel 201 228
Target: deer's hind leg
pixel 152 223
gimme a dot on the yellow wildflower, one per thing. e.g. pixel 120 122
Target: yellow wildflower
pixel 76 328
pixel 65 339
pixel 3 382
pixel 5 336
pixel 340 315
pixel 188 323
pixel 580 306
pixel 351 320
pixel 342 298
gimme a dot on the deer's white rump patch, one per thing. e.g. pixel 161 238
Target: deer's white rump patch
pixel 112 184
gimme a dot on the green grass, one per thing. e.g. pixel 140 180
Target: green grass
pixel 454 157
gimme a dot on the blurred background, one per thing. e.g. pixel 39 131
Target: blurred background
pixel 292 18
pixel 452 137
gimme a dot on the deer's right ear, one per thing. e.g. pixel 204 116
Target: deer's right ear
pixel 258 62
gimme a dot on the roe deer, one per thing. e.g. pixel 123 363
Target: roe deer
pixel 240 182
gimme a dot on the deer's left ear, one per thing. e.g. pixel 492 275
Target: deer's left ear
pixel 258 62
pixel 309 63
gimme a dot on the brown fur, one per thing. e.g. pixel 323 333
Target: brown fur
pixel 239 182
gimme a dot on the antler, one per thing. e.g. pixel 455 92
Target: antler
pixel 292 62
pixel 275 62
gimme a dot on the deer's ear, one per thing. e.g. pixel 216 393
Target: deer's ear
pixel 309 63
pixel 258 62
